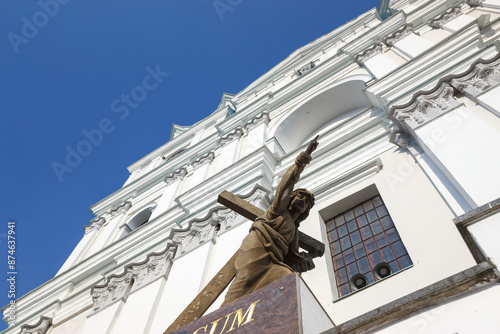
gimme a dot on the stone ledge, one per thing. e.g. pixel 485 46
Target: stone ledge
pixel 469 280
pixel 479 212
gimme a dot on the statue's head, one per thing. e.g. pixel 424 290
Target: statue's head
pixel 301 199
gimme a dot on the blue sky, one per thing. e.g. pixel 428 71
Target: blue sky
pixel 66 69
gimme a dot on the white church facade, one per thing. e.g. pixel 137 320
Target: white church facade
pixel 406 100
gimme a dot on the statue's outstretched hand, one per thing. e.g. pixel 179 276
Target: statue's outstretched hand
pixel 312 145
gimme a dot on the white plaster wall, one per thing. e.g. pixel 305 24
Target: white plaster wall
pixel 413 45
pixel 77 252
pixel 73 325
pixel 103 321
pixel 421 217
pixel 382 64
pixel 165 200
pixel 255 139
pixel 182 285
pixel 227 155
pixel 465 146
pixel 198 176
pixel 491 101
pixel 458 23
pixel 471 314
pixel 486 232
pixel 137 313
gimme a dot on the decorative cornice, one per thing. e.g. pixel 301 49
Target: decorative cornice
pixel 369 53
pixel 409 143
pixel 235 134
pixel 177 175
pixel 427 107
pixel 446 17
pixel 206 158
pixel 259 119
pixel 398 35
pixel 134 277
pixel 95 224
pixel 122 208
pixel 41 327
pixel 481 78
pixel 474 3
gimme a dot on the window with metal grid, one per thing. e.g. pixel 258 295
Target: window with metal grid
pixel 362 237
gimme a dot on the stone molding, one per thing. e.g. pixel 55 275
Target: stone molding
pixel 134 277
pixel 409 143
pixel 474 3
pixel 259 119
pixel 481 78
pixel 441 20
pixel 95 224
pixel 427 107
pixel 177 175
pixel 122 208
pixel 468 281
pixel 391 39
pixel 372 51
pixel 235 134
pixel 41 327
pixel 201 230
pixel 157 265
pixel 204 159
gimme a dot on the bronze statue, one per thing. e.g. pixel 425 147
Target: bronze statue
pixel 270 251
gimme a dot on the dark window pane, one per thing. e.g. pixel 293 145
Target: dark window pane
pixel 355 238
pixel 330 225
pixel 387 222
pixel 361 220
pixel 359 251
pixel 382 211
pixel 387 254
pixel 374 259
pixel 344 290
pixel 342 230
pixel 394 266
pixel 349 215
pixel 376 227
pixel 363 265
pixel 338 261
pixel 358 211
pixel 332 235
pixel 392 234
pixel 348 256
pixel 370 245
pixel 399 248
pixel 345 243
pixel 372 215
pixel 367 206
pixel 341 276
pixel 351 225
pixel 377 201
pixel 352 270
pixel 366 232
pixel 381 240
pixel 370 278
pixel 339 220
pixel 404 261
pixel 335 248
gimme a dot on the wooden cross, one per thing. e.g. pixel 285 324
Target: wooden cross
pixel 221 280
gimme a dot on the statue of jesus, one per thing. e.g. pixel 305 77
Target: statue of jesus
pixel 270 251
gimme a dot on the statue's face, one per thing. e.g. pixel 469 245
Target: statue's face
pixel 300 204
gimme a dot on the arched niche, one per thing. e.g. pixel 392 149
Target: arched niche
pixel 138 220
pixel 333 104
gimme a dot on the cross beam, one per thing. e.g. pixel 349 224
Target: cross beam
pixel 221 280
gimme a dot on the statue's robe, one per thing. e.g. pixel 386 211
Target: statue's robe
pixel 271 249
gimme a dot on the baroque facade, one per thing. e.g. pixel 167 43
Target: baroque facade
pixel 406 101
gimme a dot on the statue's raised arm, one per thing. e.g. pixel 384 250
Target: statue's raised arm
pixel 284 190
